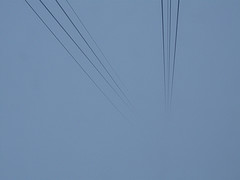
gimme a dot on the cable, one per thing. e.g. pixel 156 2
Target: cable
pixel 82 52
pixel 164 61
pixel 109 100
pixel 167 53
pixel 175 49
pixel 169 47
pixel 92 51
pixel 79 19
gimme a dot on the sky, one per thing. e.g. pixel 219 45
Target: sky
pixel 55 124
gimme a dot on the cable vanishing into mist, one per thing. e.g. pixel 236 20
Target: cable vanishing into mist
pixel 89 60
pixel 169 55
pixel 104 67
pixel 94 41
pixel 79 65
pixel 163 51
pixel 175 49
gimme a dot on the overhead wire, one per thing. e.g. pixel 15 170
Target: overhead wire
pixel 167 51
pixel 84 53
pixel 104 67
pixel 79 65
pixel 163 50
pixel 169 43
pixel 175 49
pixel 94 41
pixel 169 48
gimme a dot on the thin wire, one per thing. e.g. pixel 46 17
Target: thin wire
pixel 169 48
pixel 109 100
pixel 93 51
pixel 164 61
pixel 79 19
pixel 83 52
pixel 167 63
pixel 175 49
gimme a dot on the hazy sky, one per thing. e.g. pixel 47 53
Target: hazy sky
pixel 55 124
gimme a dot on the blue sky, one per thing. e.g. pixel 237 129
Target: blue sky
pixel 54 124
